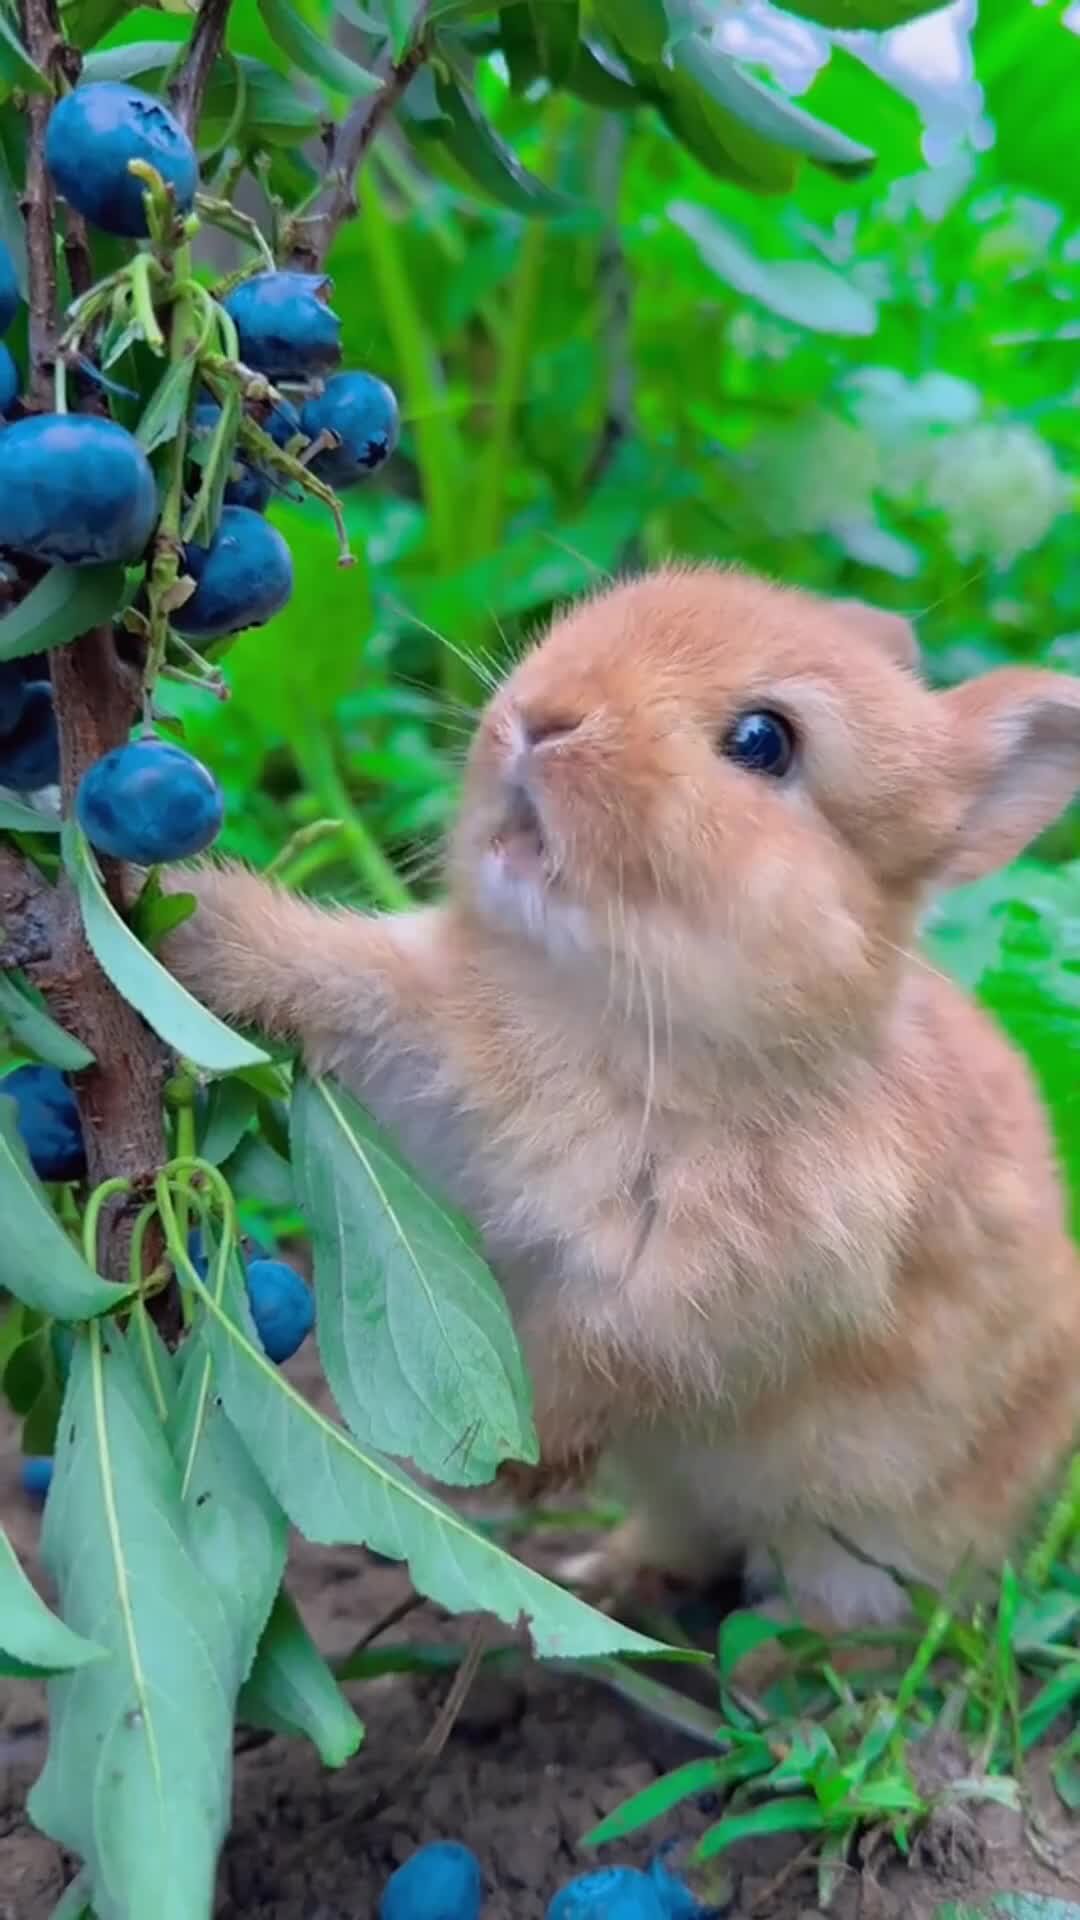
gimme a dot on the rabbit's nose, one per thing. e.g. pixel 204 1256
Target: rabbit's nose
pixel 546 729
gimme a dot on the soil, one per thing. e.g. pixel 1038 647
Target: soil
pixel 533 1761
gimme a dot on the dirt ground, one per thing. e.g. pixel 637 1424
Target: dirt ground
pixel 533 1761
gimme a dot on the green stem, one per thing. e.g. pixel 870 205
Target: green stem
pixel 439 451
pixel 1063 1523
pixel 98 1199
pixel 489 514
pixel 319 768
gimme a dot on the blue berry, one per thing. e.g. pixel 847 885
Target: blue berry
pixel 30 750
pixel 149 801
pixel 286 329
pixel 441 1881
pixel 95 131
pixel 37 1473
pixel 12 695
pixel 676 1898
pixel 9 289
pixel 75 488
pixel 611 1893
pixel 48 1121
pixel 281 1307
pixel 9 380
pixel 363 410
pixel 282 423
pixel 243 577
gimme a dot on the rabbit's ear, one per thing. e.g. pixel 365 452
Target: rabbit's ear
pixel 1014 741
pixel 891 632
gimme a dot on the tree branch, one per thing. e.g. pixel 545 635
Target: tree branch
pixel 187 90
pixel 120 1095
pixel 312 236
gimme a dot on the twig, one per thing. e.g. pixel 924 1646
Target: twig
pixel 187 90
pixel 26 912
pixel 311 237
pixel 45 45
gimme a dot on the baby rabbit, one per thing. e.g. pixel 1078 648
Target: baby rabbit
pixel 775 1207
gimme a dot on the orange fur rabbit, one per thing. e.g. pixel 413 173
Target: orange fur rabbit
pixel 773 1204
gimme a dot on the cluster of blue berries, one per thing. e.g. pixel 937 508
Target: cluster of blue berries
pixel 79 490
pixel 443 1882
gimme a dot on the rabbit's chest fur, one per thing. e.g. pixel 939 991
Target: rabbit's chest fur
pixel 717 1255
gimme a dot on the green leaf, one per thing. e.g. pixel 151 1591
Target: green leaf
pixel 338 1493
pixel 236 1531
pixel 67 602
pixel 1013 939
pixel 695 1776
pixel 1028 62
pixel 230 1108
pixel 797 1815
pixel 166 1006
pixel 17 817
pixel 32 1640
pixel 258 1173
pixel 802 291
pixel 137 1778
pixel 855 16
pixel 36 1031
pixel 740 1633
pixel 398 17
pixel 38 1263
pixel 292 1690
pixel 478 157
pixel 765 112
pixel 315 56
pixel 414 1333
pixel 17 70
pixel 167 406
pixel 639 27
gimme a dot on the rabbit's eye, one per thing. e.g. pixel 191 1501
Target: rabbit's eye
pixel 762 742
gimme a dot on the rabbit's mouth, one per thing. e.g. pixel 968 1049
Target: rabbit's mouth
pixel 521 835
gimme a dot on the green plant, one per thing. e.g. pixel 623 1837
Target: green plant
pixel 544 383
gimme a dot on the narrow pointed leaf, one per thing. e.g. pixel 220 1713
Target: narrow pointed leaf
pixel 797 1815
pixel 37 1031
pixel 137 1779
pixel 478 157
pixel 638 27
pixel 857 16
pixel 17 816
pixel 314 56
pixel 33 1640
pixel 17 70
pixel 176 1017
pixel 769 114
pixel 66 602
pixel 292 1690
pixel 414 1333
pixel 38 1263
pixel 337 1492
pixel 802 291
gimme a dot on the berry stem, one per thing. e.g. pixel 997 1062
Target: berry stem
pixel 187 89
